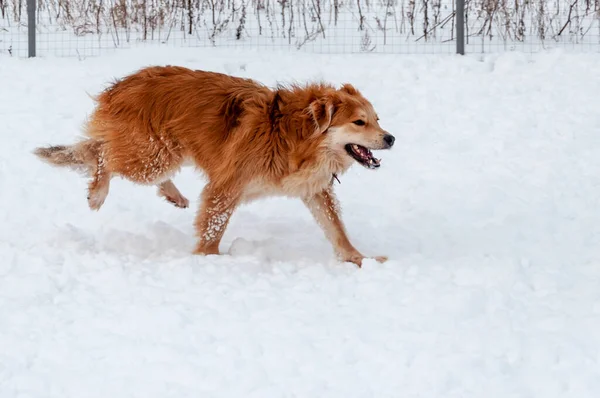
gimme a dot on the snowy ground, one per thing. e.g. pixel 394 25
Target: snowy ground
pixel 488 207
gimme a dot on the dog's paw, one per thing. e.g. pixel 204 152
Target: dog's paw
pixel 355 258
pixel 95 202
pixel 180 201
pixel 176 199
pixel 205 251
pixel 169 191
pixel 358 258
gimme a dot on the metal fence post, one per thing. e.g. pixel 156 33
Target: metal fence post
pixel 31 27
pixel 460 27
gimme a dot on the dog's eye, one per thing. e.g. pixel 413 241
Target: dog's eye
pixel 359 122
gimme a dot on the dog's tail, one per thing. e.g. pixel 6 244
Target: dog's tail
pixel 83 156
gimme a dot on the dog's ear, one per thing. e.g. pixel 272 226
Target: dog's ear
pixel 349 89
pixel 322 111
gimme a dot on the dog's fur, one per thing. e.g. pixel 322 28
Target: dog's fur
pixel 251 141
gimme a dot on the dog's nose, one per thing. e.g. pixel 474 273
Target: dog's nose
pixel 389 140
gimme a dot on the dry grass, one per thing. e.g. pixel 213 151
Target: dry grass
pixel 298 22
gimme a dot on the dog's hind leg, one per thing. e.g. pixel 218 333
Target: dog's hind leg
pixel 213 217
pixel 86 156
pixel 169 191
pixel 99 185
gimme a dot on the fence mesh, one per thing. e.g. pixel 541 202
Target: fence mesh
pixel 531 26
pixel 90 27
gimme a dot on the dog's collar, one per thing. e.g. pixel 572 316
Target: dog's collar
pixel 334 176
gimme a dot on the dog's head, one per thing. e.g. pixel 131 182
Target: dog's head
pixel 350 126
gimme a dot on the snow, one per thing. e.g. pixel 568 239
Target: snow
pixel 488 208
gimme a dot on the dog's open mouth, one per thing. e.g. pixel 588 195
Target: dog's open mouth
pixel 363 156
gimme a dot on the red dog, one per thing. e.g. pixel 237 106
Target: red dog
pixel 250 141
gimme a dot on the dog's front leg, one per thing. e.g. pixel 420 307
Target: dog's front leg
pixel 326 211
pixel 213 216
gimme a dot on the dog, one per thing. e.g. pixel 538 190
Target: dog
pixel 250 141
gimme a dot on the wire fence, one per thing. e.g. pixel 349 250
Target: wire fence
pixel 89 27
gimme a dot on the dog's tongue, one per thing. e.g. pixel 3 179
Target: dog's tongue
pixel 367 155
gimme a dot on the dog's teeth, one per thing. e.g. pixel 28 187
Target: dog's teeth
pixel 354 146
